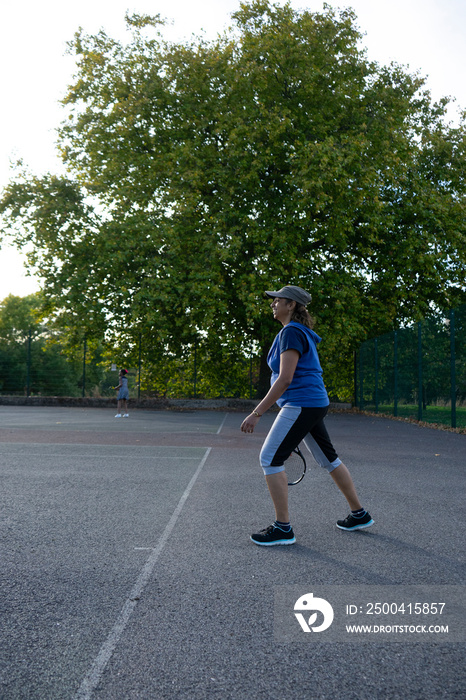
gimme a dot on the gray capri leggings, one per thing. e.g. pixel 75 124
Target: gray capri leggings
pixel 292 425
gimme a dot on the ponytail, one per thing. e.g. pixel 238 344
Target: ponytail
pixel 302 315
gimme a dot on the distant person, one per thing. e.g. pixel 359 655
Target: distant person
pixel 123 394
pixel 298 389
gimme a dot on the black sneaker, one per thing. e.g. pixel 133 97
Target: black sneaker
pixel 273 535
pixel 351 523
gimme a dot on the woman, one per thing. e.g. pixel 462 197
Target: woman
pixel 123 394
pixel 298 389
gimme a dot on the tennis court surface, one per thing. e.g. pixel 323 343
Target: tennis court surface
pixel 127 570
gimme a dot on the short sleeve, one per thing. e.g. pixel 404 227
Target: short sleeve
pixel 292 338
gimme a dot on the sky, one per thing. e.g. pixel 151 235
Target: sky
pixel 424 35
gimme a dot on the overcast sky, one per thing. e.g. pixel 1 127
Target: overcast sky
pixel 428 36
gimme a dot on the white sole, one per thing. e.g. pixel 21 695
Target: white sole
pixel 356 527
pixel 271 544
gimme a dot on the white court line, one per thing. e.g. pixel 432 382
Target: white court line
pixel 93 676
pixel 223 423
pixel 67 455
pixel 310 452
pixel 307 448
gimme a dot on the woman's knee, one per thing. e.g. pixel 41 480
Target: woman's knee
pixel 268 470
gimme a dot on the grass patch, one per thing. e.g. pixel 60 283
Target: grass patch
pixel 430 414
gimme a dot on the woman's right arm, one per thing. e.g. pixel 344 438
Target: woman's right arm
pixel 288 361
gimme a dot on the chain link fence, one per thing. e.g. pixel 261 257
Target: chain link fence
pixel 31 368
pixel 417 372
pixel 26 370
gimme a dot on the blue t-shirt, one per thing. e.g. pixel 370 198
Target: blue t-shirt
pixel 307 387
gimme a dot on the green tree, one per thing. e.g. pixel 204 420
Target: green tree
pixel 203 173
pixel 34 359
pixel 19 329
pixel 19 318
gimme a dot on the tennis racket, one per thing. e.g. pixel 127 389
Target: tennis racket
pixel 295 467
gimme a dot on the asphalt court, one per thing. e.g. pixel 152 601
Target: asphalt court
pixel 61 420
pixel 127 570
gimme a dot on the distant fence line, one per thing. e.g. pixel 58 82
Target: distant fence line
pixel 418 372
pixel 422 366
pixel 26 370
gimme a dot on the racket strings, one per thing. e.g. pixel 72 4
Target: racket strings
pixel 294 468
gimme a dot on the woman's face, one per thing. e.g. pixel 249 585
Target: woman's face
pixel 282 309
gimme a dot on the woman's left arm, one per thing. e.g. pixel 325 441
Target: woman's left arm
pixel 288 361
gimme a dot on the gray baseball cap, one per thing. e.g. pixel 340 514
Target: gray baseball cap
pixel 291 292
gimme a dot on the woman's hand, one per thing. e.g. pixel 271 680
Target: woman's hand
pixel 288 361
pixel 249 423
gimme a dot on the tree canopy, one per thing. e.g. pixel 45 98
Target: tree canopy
pixel 32 361
pixel 203 173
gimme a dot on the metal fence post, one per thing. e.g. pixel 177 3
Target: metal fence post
pixel 250 375
pixel 419 366
pixel 84 367
pixel 452 369
pixel 355 380
pixel 395 373
pixel 361 382
pixel 376 360
pixel 195 366
pixel 139 367
pixel 28 366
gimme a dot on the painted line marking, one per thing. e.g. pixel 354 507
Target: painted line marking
pixel 134 456
pixel 93 676
pixel 164 451
pixel 222 424
pixel 313 471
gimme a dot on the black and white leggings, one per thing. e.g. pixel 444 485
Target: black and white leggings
pixel 292 425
